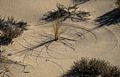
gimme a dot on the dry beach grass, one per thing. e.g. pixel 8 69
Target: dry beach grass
pixel 59 57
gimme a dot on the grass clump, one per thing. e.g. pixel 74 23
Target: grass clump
pixel 60 35
pixel 92 68
pixel 10 29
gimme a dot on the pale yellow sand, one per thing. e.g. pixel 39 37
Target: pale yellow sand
pixel 107 45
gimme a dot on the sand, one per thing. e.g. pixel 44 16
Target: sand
pixel 106 46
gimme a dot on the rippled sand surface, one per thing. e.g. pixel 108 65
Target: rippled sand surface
pixel 106 44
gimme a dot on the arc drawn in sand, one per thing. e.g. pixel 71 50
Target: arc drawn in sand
pixel 9 67
pixel 51 54
pixel 68 37
pixel 105 30
pixel 58 16
pixel 34 48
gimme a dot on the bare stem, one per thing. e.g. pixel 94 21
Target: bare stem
pixel 56 28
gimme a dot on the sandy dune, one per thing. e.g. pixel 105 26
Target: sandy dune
pixel 106 46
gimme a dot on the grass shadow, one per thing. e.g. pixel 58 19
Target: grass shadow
pixel 63 13
pixel 79 1
pixel 10 29
pixel 111 17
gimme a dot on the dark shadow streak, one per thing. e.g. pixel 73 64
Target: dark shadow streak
pixel 80 1
pixel 5 41
pixel 111 17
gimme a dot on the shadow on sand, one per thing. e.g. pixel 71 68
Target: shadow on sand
pixel 111 17
pixel 80 1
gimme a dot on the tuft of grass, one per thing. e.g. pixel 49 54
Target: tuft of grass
pixel 92 68
pixel 67 37
pixel 10 29
pixel 64 34
pixel 47 39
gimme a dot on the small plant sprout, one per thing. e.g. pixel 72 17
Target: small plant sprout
pixel 10 29
pixel 92 68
